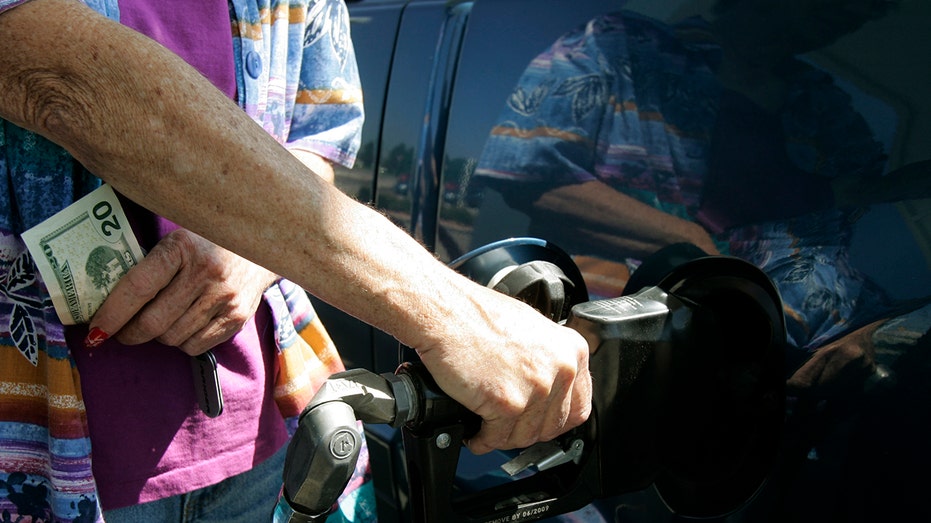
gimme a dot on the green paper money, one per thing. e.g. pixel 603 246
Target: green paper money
pixel 82 251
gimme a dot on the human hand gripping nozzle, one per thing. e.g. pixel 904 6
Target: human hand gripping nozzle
pixel 687 396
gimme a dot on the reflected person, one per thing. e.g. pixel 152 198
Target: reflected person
pixel 712 133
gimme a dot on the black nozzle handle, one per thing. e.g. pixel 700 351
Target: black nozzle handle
pixel 321 458
pixel 323 452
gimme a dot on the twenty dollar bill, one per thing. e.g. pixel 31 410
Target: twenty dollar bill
pixel 82 251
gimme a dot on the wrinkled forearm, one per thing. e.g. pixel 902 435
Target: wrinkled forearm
pixel 141 119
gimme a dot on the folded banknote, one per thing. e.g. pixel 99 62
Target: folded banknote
pixel 82 251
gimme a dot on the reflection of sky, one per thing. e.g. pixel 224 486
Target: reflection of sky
pixel 409 72
pixel 487 73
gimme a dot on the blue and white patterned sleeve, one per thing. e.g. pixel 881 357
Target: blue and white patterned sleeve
pixel 328 111
pixel 7 4
pixel 550 124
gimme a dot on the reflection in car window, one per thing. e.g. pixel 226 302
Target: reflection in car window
pixel 743 129
pixel 632 134
pixel 791 133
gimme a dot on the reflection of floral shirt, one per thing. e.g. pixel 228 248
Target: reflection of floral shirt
pixel 296 76
pixel 629 102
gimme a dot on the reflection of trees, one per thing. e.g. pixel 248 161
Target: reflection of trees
pixel 456 169
pixel 458 201
pixel 395 171
pixel 458 189
pixel 399 160
pixel 366 154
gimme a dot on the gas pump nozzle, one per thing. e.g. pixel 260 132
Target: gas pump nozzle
pixel 322 454
pixel 687 397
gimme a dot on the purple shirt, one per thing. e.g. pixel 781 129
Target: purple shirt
pixel 168 445
pixel 206 44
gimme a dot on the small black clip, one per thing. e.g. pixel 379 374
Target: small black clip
pixel 207 384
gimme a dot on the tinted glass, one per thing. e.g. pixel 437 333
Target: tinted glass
pixel 793 134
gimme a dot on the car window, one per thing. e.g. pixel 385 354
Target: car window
pixel 795 134
pixel 792 134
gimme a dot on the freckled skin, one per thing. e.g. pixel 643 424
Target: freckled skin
pixel 101 95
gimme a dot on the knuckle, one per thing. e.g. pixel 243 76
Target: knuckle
pixel 171 340
pixel 145 328
pixel 539 391
pixel 511 407
pixel 579 415
pixel 232 307
pixel 192 347
pixel 140 283
pixel 173 247
pixel 224 330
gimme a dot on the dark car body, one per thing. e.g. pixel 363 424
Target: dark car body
pixel 437 76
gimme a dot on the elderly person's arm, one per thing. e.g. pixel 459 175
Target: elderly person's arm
pixel 188 292
pixel 613 224
pixel 146 122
